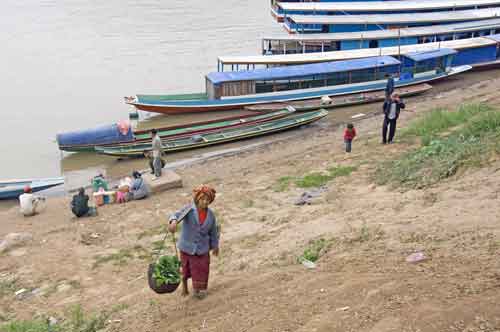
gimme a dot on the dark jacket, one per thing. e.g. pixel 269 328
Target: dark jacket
pixel 80 205
pixel 387 108
pixel 389 88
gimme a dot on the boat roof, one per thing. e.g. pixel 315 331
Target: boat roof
pixel 378 6
pixel 495 38
pixel 393 33
pixel 302 70
pixel 445 16
pixel 354 54
pixel 422 56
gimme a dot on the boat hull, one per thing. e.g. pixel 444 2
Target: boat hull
pixel 12 189
pixel 288 96
pixel 223 136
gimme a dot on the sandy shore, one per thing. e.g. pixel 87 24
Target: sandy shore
pixel 362 283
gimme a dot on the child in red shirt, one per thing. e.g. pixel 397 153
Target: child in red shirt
pixel 349 134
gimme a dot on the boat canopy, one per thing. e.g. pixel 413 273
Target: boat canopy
pixel 427 55
pixel 287 59
pixel 390 33
pixel 387 19
pixel 105 134
pixel 379 6
pixel 495 38
pixel 290 72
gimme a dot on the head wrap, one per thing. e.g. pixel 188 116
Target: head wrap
pixel 204 190
pixel 27 189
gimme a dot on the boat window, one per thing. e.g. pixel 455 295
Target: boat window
pixel 358 76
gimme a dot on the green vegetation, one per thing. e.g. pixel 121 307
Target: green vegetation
pixel 316 249
pixel 473 139
pixel 8 286
pixel 283 183
pixel 166 270
pixel 121 257
pixel 315 179
pixel 76 321
pixel 432 124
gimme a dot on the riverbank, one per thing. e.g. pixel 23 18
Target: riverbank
pixel 361 230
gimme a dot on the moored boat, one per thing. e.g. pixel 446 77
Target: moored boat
pixel 108 136
pixel 342 101
pixel 221 136
pixel 11 189
pixel 235 90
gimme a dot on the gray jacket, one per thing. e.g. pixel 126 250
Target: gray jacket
pixel 196 239
pixel 139 189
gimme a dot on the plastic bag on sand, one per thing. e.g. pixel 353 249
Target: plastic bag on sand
pixel 416 257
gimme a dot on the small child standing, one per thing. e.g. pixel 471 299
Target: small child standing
pixel 349 134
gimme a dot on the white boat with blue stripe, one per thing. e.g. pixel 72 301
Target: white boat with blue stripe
pixel 237 89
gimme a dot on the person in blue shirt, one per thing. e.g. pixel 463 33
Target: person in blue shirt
pixel 199 236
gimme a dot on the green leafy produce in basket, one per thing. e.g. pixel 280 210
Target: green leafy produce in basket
pixel 166 270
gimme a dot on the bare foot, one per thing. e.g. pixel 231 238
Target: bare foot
pixel 184 292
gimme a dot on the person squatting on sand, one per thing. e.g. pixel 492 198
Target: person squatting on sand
pixel 29 203
pixel 199 235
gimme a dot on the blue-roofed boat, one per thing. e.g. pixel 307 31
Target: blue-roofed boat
pixel 282 9
pixel 237 89
pixel 11 189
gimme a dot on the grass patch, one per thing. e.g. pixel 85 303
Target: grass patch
pixel 283 183
pixel 432 124
pixel 315 179
pixel 76 321
pixel 468 145
pixel 315 249
pixel 365 233
pixel 8 286
pixel 160 229
pixel 122 257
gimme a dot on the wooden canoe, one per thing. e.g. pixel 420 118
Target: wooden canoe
pixel 342 101
pixel 221 136
pixel 144 136
pixel 11 189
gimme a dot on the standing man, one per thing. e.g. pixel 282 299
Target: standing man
pixel 156 148
pixel 392 108
pixel 389 88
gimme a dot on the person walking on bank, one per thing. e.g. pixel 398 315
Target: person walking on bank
pixel 389 87
pixel 156 148
pixel 391 108
pixel 199 235
pixel 349 134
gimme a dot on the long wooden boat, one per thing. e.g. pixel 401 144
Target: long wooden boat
pixel 471 51
pixel 222 136
pixel 144 136
pixel 11 189
pixel 282 9
pixel 341 41
pixel 235 90
pixel 342 101
pixel 330 23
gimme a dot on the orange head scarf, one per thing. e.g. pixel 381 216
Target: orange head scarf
pixel 204 190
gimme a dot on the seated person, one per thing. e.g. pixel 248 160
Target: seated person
pixel 80 205
pixel 29 203
pixel 99 183
pixel 139 188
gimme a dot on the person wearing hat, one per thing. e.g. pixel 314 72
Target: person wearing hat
pixel 139 188
pixel 199 236
pixel 29 203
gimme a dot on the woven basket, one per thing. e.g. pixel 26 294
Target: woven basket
pixel 163 289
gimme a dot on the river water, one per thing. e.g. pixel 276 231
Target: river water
pixel 66 65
